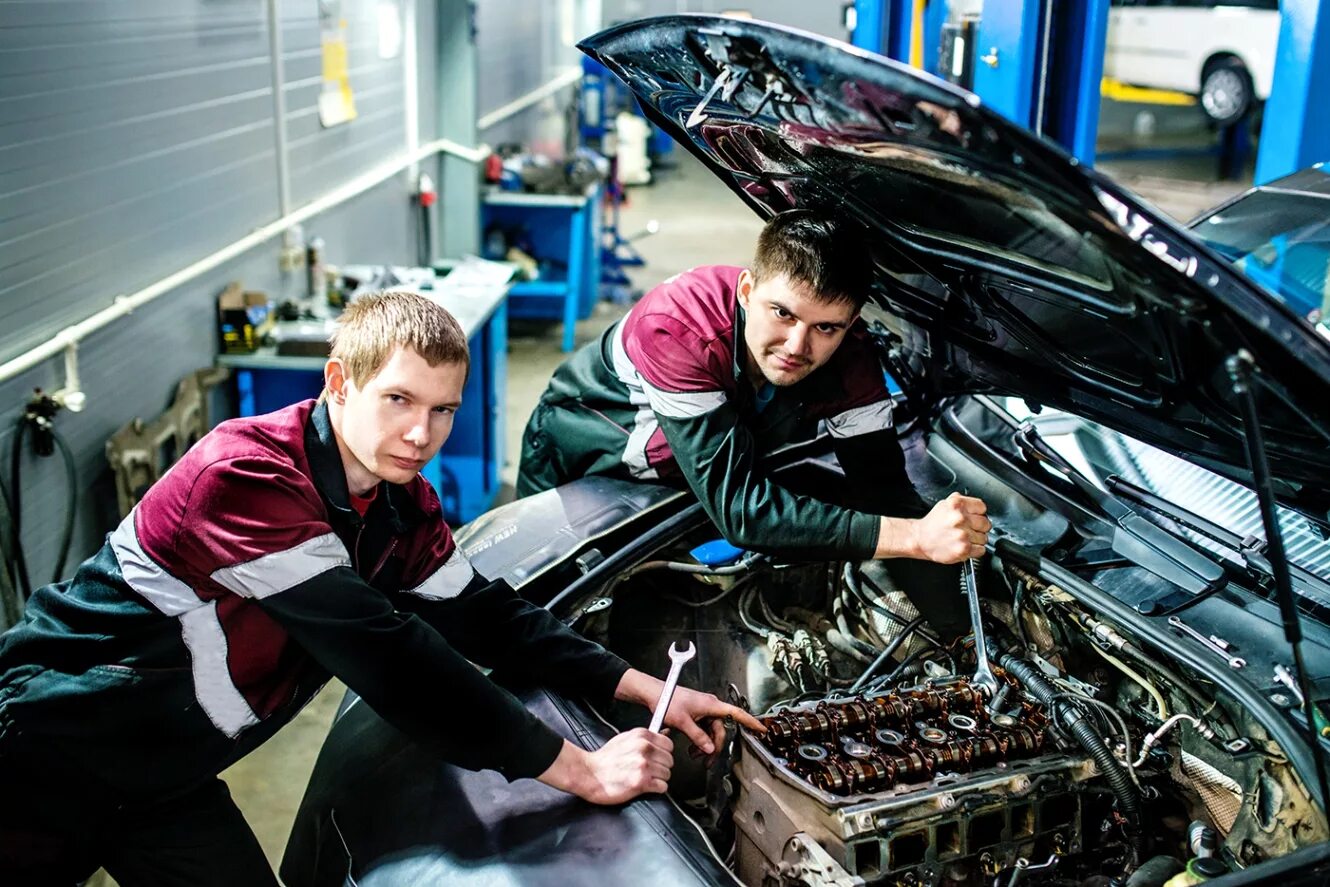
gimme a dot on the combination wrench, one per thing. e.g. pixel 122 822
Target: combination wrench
pixel 1222 652
pixel 677 659
pixel 984 678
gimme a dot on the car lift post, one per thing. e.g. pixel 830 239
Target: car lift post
pixel 1297 130
pixel 884 27
pixel 1040 64
pixel 905 30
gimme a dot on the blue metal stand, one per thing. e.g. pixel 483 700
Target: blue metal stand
pixel 884 27
pixel 562 230
pixel 1011 54
pixel 1297 130
pixel 1007 47
pixel 618 252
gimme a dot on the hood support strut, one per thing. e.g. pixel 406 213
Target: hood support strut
pixel 1241 370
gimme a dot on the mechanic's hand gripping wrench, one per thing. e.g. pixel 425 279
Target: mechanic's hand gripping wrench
pixel 984 678
pixel 677 659
pixel 1221 651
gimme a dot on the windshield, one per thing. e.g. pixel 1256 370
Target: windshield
pixel 1281 240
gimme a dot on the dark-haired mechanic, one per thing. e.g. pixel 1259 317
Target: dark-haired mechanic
pixel 719 366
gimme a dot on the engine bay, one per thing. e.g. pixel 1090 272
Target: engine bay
pixel 1097 760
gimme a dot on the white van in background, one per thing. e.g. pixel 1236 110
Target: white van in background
pixel 1221 51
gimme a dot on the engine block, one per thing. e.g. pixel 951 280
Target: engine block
pixel 916 786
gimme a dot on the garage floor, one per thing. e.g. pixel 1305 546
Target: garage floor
pixel 701 222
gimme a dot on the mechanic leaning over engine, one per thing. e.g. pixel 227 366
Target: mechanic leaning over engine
pixel 719 366
pixel 279 550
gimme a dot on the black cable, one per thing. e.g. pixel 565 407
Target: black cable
pixel 887 651
pixel 1076 722
pixel 71 500
pixel 24 584
pixel 858 589
pixel 10 604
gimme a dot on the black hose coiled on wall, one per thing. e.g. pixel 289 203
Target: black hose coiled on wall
pixel 1083 730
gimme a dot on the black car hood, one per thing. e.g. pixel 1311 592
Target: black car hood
pixel 1004 265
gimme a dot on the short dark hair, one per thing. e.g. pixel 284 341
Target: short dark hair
pixel 826 254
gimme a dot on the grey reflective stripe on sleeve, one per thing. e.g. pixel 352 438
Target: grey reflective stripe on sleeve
pixel 682 404
pixel 200 630
pixel 861 420
pixel 218 696
pixel 644 421
pixel 151 581
pixel 448 580
pixel 274 573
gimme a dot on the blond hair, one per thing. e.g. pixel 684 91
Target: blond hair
pixel 374 325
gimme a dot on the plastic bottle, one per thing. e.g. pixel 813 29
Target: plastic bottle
pixel 316 278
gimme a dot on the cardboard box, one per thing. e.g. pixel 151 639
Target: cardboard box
pixel 243 316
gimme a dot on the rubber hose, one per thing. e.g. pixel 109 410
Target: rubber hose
pixel 841 642
pixel 887 651
pixel 1082 729
pixel 23 584
pixel 71 501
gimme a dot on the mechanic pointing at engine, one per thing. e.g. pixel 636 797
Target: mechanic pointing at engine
pixel 719 366
pixel 279 550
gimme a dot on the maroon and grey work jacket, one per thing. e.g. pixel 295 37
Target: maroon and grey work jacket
pixel 662 396
pixel 242 580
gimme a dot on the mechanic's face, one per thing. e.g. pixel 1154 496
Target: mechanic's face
pixel 788 332
pixel 391 426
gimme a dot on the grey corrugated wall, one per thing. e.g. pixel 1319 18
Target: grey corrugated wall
pixel 529 44
pixel 137 137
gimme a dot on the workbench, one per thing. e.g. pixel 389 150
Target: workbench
pixel 465 473
pixel 564 229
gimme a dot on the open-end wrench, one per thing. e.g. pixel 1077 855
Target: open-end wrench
pixel 984 678
pixel 677 659
pixel 1223 653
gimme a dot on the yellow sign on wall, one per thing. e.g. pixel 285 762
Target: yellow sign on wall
pixel 337 104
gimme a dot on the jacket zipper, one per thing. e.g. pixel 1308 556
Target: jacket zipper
pixel 355 550
pixel 383 558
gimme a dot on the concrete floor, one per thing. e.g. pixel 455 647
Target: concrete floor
pixel 701 222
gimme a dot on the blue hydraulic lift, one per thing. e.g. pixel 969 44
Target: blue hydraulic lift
pixel 1038 63
pixel 1296 133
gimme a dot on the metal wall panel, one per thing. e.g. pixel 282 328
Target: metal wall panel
pixel 522 46
pixel 132 134
pixel 322 158
pixel 136 138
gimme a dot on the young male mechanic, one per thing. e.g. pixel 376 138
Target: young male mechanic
pixel 279 550
pixel 719 366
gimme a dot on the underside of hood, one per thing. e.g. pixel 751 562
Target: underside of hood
pixel 1004 265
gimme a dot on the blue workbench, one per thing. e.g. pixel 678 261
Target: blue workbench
pixel 565 228
pixel 465 473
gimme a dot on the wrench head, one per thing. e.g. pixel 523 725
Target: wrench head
pixel 682 656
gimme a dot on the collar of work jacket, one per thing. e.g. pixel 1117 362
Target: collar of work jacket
pixel 394 504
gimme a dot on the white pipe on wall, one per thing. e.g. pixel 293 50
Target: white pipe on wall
pixel 125 304
pixel 70 336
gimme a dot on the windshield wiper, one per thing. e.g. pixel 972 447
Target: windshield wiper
pixel 1168 555
pixel 1250 549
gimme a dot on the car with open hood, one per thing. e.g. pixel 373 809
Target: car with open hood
pixel 1135 411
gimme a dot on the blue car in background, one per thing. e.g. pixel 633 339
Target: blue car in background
pixel 1279 235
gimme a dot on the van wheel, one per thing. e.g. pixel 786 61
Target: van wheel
pixel 1226 91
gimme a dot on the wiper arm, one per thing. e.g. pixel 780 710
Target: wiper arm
pixel 1167 555
pixel 1250 549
